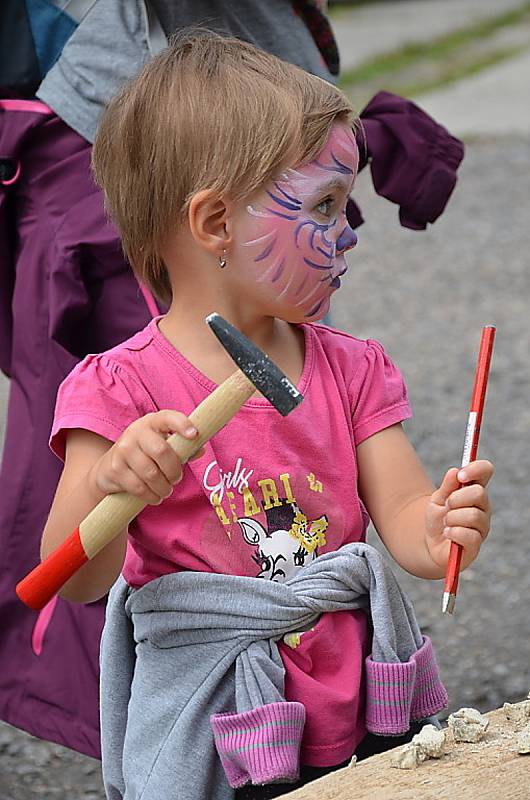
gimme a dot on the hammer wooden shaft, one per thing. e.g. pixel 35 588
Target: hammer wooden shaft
pixel 116 511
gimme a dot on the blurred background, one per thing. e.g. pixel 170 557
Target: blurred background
pixel 425 296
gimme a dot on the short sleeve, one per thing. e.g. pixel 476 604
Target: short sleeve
pixel 99 396
pixel 378 394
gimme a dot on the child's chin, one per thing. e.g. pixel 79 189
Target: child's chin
pixel 318 313
pixel 313 313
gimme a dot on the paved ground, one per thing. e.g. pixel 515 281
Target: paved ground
pixel 376 28
pixel 426 297
pixel 493 102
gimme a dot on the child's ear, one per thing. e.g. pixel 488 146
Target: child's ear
pixel 209 218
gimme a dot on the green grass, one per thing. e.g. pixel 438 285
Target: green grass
pixel 453 74
pixel 451 56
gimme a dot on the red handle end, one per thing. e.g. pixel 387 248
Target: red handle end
pixel 42 583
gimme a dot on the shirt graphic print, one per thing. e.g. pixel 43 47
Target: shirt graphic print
pixel 281 538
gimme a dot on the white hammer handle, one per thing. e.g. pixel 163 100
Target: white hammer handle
pixel 115 511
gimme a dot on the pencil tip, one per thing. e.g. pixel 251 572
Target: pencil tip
pixel 448 603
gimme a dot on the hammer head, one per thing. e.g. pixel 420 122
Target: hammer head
pixel 258 367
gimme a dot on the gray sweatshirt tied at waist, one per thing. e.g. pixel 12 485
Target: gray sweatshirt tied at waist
pixel 190 645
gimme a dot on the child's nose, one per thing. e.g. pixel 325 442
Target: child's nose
pixel 347 239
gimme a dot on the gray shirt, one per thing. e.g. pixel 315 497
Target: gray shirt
pixel 116 37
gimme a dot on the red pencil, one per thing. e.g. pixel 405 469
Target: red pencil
pixel 474 420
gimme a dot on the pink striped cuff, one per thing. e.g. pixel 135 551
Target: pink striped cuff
pixel 399 693
pixel 429 695
pixel 260 746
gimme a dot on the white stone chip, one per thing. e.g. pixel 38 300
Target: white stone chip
pixel 431 741
pixel 408 757
pixel 468 725
pixel 428 743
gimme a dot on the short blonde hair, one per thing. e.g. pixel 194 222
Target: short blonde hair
pixel 209 112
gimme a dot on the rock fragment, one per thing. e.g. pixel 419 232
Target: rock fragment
pixel 522 742
pixel 408 757
pixel 468 725
pixel 518 713
pixel 428 743
pixel 431 741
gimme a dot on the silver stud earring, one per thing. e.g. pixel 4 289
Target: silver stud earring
pixel 222 260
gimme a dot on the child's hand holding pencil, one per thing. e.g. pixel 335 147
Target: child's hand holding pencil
pixel 459 511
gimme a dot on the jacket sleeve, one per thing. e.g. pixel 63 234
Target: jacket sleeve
pixel 413 160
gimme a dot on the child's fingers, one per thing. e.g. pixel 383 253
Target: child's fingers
pixel 168 461
pixel 155 447
pixel 149 473
pixel 469 538
pixel 168 421
pixel 131 483
pixel 468 518
pixel 473 495
pixel 476 472
pixel 479 472
pixel 449 484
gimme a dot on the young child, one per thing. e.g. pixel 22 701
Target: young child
pixel 227 172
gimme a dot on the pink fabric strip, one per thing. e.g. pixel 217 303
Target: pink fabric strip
pixel 389 696
pixel 430 695
pixel 262 745
pixel 399 693
pixel 15 177
pixel 149 299
pixel 41 625
pixel 34 106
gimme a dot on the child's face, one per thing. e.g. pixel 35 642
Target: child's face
pixel 294 233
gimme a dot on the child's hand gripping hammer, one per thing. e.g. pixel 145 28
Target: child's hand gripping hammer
pixel 115 511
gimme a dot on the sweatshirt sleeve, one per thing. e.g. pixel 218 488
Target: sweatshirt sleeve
pixel 378 394
pixel 99 396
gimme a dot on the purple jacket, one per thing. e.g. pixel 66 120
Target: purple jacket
pixel 65 291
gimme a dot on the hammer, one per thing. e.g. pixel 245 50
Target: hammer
pixel 115 511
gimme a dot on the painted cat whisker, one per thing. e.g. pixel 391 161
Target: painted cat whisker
pixel 272 269
pixel 256 213
pixel 259 240
pixel 287 285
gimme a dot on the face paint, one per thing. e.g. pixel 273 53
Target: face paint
pixel 296 232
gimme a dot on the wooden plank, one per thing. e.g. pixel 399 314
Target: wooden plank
pixel 488 770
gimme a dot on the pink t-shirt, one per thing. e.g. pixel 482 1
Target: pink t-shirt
pixel 269 494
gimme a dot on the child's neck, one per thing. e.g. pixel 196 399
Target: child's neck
pixel 187 331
